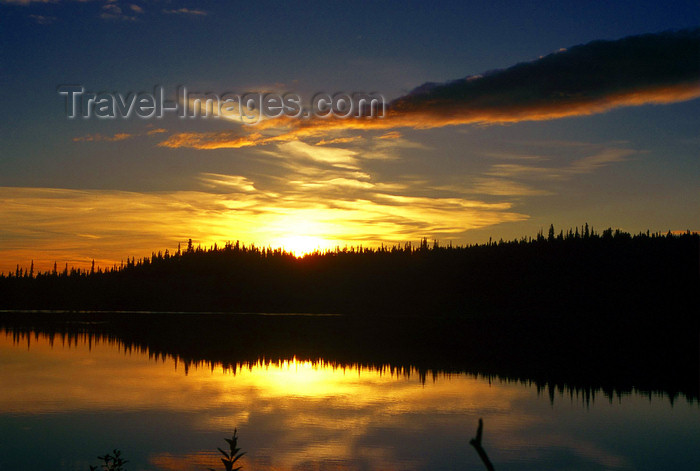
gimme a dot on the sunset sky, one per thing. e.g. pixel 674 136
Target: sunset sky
pixel 502 117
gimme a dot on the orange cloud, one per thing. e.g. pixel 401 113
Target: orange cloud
pixel 339 140
pixel 100 137
pixel 156 131
pixel 212 140
pixel 391 135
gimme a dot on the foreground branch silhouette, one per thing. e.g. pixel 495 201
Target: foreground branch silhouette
pixel 476 443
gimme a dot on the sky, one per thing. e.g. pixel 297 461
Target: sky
pixel 501 118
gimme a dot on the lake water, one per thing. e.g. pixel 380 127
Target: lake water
pixel 63 403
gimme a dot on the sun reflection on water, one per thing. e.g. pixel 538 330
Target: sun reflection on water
pixel 306 413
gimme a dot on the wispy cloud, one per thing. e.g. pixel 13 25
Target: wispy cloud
pixel 156 131
pixel 602 159
pixel 391 135
pixel 122 136
pixel 329 155
pixel 112 11
pixel 504 187
pixel 338 140
pixel 186 11
pixel 212 140
pixel 43 19
pixel 230 182
pixel 27 2
pixel 583 165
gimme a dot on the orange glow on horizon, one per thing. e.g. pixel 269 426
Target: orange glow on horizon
pixel 75 227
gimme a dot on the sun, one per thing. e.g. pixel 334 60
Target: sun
pixel 302 231
pixel 301 245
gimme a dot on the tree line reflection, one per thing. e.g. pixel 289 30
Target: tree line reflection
pixel 199 341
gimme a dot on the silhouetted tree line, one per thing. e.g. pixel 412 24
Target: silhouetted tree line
pixel 577 270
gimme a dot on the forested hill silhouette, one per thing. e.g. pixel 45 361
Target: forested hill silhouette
pixel 580 271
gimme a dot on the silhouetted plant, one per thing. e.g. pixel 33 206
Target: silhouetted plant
pixel 111 462
pixel 233 455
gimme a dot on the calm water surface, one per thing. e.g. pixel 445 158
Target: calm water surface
pixel 62 405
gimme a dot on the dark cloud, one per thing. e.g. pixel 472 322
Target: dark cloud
pixel 585 79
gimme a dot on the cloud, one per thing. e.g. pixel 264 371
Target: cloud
pixel 503 187
pixel 120 136
pixel 27 2
pixel 100 137
pixel 109 10
pixel 586 79
pixel 42 19
pixel 584 165
pixel 330 155
pixel 343 183
pixel 391 135
pixel 339 140
pixel 186 11
pixel 521 157
pixel 231 182
pixel 212 140
pixel 602 159
pixel 156 131
pixel 578 81
pixel 112 11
